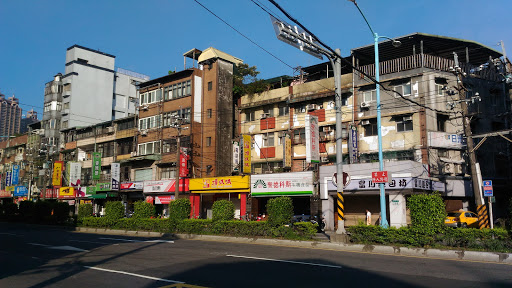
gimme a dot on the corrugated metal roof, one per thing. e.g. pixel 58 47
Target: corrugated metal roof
pixel 211 53
pixel 441 46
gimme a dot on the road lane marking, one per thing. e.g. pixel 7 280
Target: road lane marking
pixel 285 261
pixel 355 252
pixel 130 240
pixel 93 242
pixel 68 248
pixel 133 274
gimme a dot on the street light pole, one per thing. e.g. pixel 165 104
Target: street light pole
pixel 376 37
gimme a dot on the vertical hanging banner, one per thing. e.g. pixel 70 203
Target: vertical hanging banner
pixel 236 156
pixel 57 173
pixel 247 153
pixel 287 152
pixel 96 165
pixel 115 171
pixel 74 172
pixel 8 178
pixel 352 144
pixel 184 161
pixel 15 174
pixel 312 139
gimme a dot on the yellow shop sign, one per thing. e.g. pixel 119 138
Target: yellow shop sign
pixel 232 184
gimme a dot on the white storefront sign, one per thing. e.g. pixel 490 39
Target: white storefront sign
pixel 312 140
pixel 282 184
pixel 396 183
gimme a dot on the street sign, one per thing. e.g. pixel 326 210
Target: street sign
pixel 380 177
pixel 296 37
pixel 488 188
pixel 346 179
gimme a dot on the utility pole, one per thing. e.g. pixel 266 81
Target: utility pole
pixel 466 124
pixel 177 124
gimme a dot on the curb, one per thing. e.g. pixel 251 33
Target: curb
pixel 495 257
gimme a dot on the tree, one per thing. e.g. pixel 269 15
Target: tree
pixel 245 80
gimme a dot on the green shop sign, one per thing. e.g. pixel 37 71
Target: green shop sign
pixel 96 165
pixel 103 187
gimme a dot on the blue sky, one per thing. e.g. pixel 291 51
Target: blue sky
pixel 151 36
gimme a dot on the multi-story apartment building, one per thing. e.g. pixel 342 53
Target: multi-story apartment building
pixel 10 117
pixel 423 142
pixel 14 169
pixel 30 118
pixel 195 106
pixel 90 91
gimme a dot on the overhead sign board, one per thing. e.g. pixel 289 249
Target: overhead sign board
pixel 296 37
pixel 282 184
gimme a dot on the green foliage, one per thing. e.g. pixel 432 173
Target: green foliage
pixel 223 210
pixel 43 211
pixel 180 209
pixel 245 80
pixel 60 212
pixel 280 211
pixel 11 211
pixel 509 225
pixel 143 209
pixel 26 210
pixel 114 210
pixel 306 229
pixel 427 212
pixel 84 210
pixel 477 239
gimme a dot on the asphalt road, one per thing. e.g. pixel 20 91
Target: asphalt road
pixel 39 256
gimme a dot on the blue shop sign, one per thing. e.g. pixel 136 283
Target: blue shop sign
pixel 20 191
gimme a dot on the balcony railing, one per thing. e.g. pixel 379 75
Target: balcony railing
pixel 428 61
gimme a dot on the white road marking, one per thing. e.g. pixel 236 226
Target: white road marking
pixel 11 234
pixel 285 261
pixel 133 274
pixel 147 241
pixel 68 248
pixel 93 242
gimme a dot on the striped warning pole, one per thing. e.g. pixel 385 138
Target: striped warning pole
pixel 483 216
pixel 340 206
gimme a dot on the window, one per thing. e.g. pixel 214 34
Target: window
pixel 66 105
pixel 269 110
pixel 404 123
pixel 209 113
pixel 403 89
pixel 268 140
pixel 208 141
pixel 299 136
pixel 284 110
pixel 148 148
pixel 441 122
pixel 369 95
pixel 150 122
pixel 168 173
pixel 65 124
pixel 442 153
pixel 210 86
pixel 370 127
pixel 250 116
pixel 440 90
pixel 300 109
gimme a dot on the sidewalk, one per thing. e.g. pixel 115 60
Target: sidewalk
pixel 495 257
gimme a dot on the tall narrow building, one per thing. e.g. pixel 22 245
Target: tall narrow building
pixel 10 116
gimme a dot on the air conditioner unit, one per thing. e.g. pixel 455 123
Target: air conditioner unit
pixel 324 159
pixel 110 129
pixel 311 107
pixel 280 134
pixel 407 118
pixel 365 104
pixel 265 115
pixel 143 132
pixel 365 122
pixel 448 168
pixel 458 169
pixel 133 154
pixel 62 146
pixel 144 107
